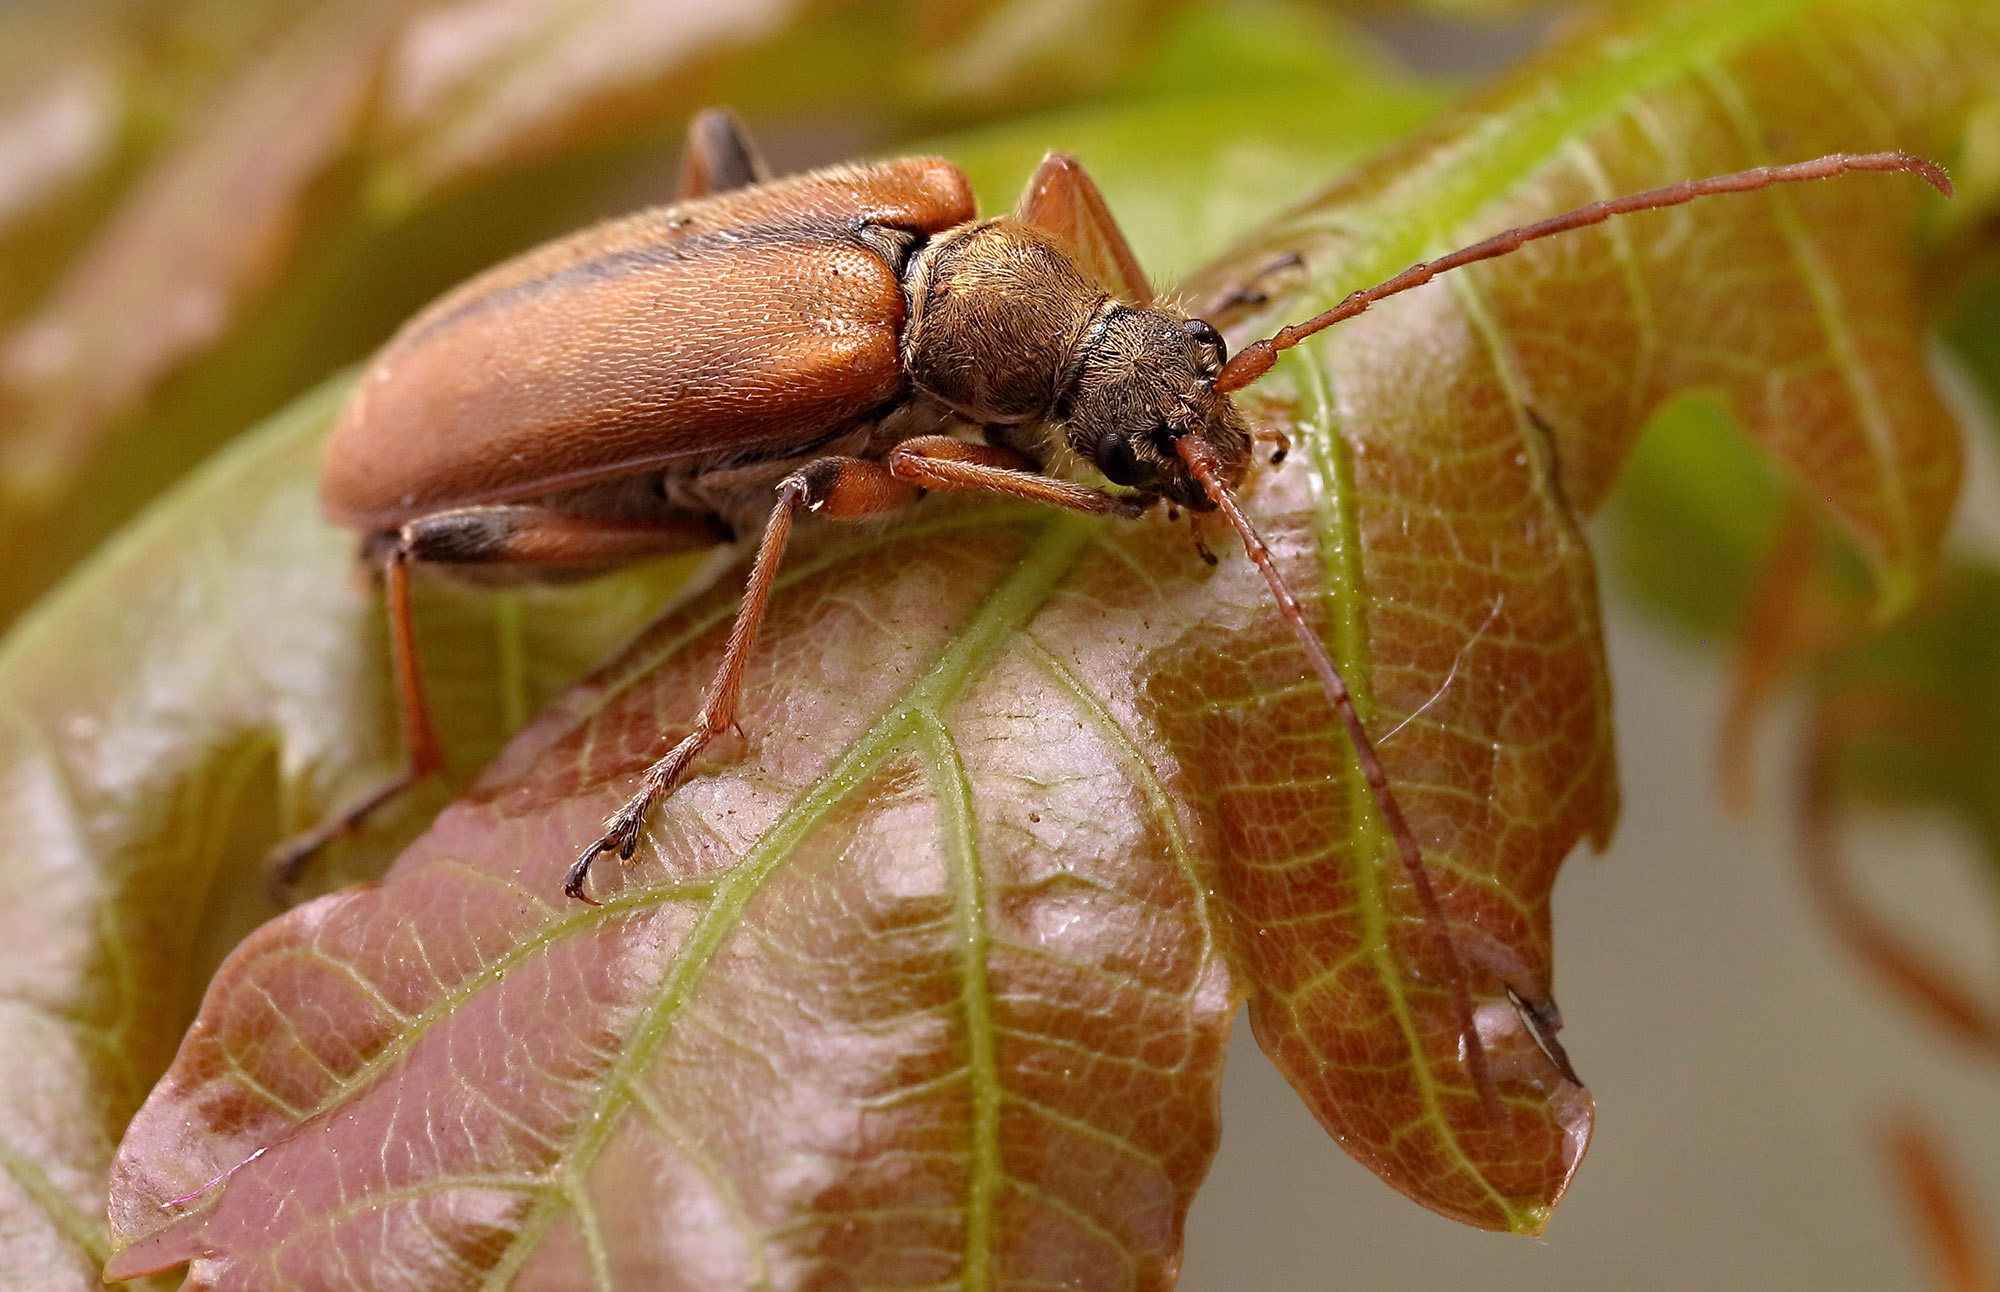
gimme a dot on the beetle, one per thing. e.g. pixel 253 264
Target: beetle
pixel 836 343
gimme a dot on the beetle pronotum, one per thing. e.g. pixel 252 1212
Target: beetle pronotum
pixel 850 339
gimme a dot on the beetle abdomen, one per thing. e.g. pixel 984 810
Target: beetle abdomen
pixel 752 324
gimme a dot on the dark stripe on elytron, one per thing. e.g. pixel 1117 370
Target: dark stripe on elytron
pixel 651 255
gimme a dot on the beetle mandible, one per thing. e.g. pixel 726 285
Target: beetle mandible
pixel 836 343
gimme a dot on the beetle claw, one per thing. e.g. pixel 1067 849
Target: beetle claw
pixel 579 871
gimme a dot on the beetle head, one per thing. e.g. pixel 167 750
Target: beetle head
pixel 1142 380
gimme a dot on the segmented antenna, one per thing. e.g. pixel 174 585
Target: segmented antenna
pixel 1202 462
pixel 1255 359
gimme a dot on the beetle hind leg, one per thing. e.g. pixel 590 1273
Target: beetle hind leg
pixel 515 542
pixel 424 753
pixel 719 156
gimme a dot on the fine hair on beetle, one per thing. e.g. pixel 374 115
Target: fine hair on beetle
pixel 617 395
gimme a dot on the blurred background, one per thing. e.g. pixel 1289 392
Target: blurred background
pixel 208 206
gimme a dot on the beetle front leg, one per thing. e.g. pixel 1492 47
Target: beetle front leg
pixel 837 488
pixel 941 462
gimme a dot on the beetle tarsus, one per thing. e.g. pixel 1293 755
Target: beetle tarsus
pixel 623 828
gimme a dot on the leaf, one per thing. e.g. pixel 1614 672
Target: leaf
pixel 933 963
pixel 1460 431
pixel 224 636
pixel 1937 1205
pixel 485 83
pixel 166 277
pixel 206 685
pixel 60 112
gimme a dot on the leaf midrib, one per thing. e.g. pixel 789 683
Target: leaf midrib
pixel 1050 556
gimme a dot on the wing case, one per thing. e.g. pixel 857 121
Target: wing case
pixel 752 324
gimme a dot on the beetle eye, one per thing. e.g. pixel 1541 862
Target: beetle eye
pixel 1119 464
pixel 1203 334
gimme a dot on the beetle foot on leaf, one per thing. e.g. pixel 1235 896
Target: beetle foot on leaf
pixel 623 827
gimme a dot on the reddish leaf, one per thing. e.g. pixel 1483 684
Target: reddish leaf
pixel 926 980
pixel 204 229
pixel 1461 430
pixel 923 988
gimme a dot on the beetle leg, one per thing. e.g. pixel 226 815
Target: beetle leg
pixel 941 462
pixel 424 752
pixel 1062 199
pixel 719 156
pixel 545 538
pixel 516 537
pixel 835 487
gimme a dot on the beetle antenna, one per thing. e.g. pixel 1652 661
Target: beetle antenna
pixel 1255 359
pixel 1202 462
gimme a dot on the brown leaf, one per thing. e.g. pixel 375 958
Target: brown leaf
pixel 1933 990
pixel 1939 1207
pixel 1801 611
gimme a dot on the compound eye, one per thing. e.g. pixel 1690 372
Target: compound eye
pixel 1200 331
pixel 1114 457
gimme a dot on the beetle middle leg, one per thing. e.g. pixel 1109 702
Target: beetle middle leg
pixel 523 541
pixel 838 488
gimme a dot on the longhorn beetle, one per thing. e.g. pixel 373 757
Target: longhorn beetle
pixel 836 343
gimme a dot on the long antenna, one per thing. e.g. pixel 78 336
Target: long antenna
pixel 1201 460
pixel 1255 359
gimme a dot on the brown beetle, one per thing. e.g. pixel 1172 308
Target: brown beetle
pixel 848 338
